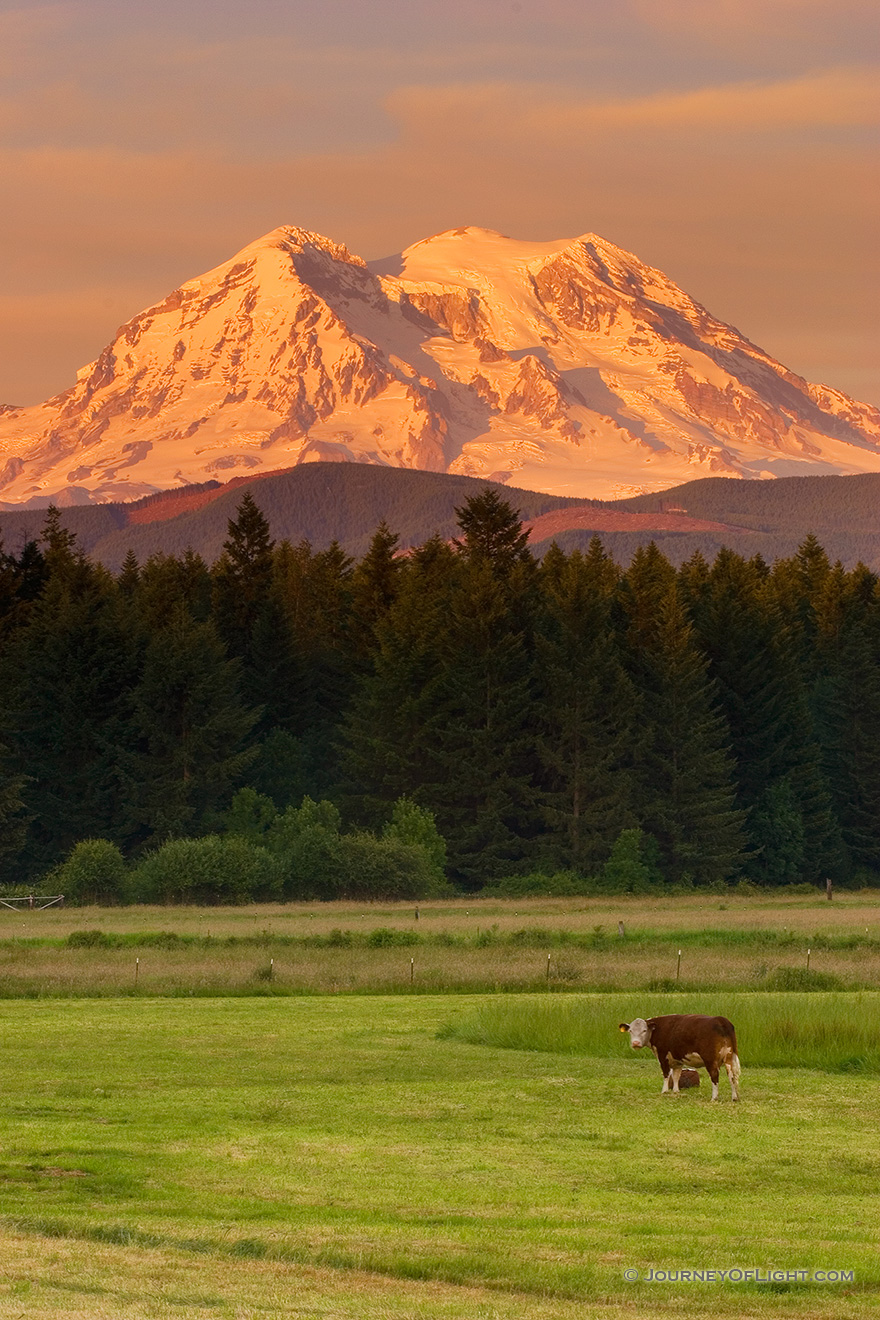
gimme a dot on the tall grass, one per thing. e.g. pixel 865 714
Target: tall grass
pixel 828 1032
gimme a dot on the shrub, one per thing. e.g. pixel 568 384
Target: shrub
pixel 372 868
pixel 384 937
pixel 89 939
pixel 311 865
pixel 559 884
pixel 626 871
pixel 209 870
pixel 802 978
pixel 93 872
pixel 249 816
pixel 417 827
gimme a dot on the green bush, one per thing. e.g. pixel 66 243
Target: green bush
pixel 372 868
pixel 417 827
pixel 250 816
pixel 209 870
pixel 312 865
pixel 559 884
pixel 93 872
pixel 384 937
pixel 802 978
pixel 626 871
pixel 89 939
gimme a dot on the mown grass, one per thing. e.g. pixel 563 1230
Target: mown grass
pixel 830 1032
pixel 334 1157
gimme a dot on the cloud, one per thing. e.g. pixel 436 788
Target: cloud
pixel 837 98
pixel 826 27
pixel 757 197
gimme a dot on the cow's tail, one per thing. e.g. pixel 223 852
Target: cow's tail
pixel 735 1068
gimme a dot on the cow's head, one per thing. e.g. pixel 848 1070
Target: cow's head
pixel 638 1032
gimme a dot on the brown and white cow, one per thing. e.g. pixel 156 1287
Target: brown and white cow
pixel 688 1039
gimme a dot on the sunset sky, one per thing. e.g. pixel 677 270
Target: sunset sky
pixel 733 144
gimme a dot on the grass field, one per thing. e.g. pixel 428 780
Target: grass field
pixel 727 943
pixel 354 1156
pixel 248 1146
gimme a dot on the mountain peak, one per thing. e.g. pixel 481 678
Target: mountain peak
pixel 291 238
pixel 567 366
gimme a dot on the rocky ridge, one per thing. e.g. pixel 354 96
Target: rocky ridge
pixel 568 367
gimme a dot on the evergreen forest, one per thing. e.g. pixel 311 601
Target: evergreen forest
pixel 293 723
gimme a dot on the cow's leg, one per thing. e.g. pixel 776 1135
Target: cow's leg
pixel 712 1069
pixel 731 1063
pixel 664 1064
pixel 676 1075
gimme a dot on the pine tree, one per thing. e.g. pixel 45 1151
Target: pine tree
pixel 69 673
pixel 492 533
pixel 754 662
pixel 374 585
pixel 242 576
pixel 481 756
pixel 685 795
pixel 13 818
pixel 62 551
pixel 390 726
pixel 848 712
pixel 643 592
pixel 129 575
pixel 192 728
pixel 168 584
pixel 588 708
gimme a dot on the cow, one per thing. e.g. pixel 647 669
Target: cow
pixel 688 1038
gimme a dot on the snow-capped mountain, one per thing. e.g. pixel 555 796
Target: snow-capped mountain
pixel 569 367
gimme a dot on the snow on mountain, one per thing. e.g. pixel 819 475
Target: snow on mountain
pixel 569 367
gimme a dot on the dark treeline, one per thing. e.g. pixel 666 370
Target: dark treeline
pixel 690 726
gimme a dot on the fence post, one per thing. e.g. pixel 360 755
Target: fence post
pixel 678 967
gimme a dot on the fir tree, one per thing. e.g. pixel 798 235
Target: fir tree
pixel 374 585
pixel 129 575
pixel 70 670
pixel 588 707
pixel 848 713
pixel 13 818
pixel 168 584
pixel 242 576
pixel 193 731
pixel 686 797
pixel 492 533
pixel 390 727
pixel 754 663
pixel 481 756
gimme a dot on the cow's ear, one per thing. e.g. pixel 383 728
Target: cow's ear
pixel 624 1026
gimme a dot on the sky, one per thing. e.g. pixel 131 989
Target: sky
pixel 731 144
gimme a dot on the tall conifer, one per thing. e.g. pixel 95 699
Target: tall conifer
pixel 686 796
pixel 588 709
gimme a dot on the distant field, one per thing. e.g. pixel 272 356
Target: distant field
pixel 730 943
pixel 351 1157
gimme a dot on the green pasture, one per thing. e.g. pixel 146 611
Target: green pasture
pixel 701 943
pixel 358 1156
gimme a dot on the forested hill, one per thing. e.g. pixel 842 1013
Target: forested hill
pixel 316 502
pixel 345 502
pixel 560 716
